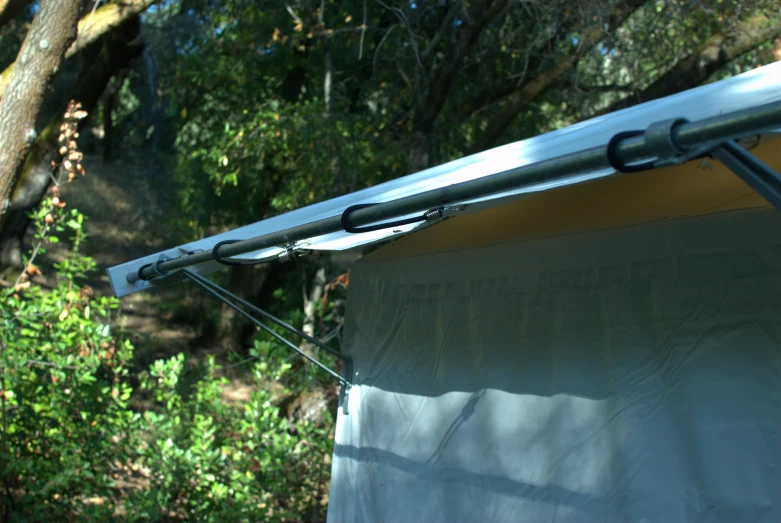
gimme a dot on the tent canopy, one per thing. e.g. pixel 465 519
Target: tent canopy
pixel 752 89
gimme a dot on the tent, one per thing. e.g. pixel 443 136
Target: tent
pixel 553 331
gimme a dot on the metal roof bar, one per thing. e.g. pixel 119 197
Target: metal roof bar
pixel 689 136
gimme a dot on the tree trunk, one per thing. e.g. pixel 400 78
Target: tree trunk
pixel 93 27
pixel 108 124
pixel 43 50
pixel 311 301
pixel 709 58
pixel 109 100
pixel 157 104
pixel 36 176
pixel 232 328
pixel 115 54
pixel 419 157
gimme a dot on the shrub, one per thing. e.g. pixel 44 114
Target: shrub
pixel 72 445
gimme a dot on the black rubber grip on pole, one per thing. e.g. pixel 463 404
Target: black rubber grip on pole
pixel 223 261
pixel 355 230
pixel 141 272
pixel 156 267
pixel 613 160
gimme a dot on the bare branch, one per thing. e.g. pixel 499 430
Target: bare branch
pixel 405 22
pixel 379 46
pixel 608 88
pixel 476 20
pixel 441 31
pixel 711 56
pixel 293 14
pixel 519 99
pixel 363 29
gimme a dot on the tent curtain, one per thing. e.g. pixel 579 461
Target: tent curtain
pixel 627 375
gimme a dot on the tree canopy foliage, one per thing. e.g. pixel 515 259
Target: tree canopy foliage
pixel 279 106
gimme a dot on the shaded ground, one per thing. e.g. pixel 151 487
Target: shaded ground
pixel 127 218
pixel 128 205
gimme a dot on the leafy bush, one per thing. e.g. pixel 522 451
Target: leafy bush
pixel 73 446
pixel 64 390
pixel 219 463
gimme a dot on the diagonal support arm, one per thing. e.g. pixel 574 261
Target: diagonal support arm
pixel 232 301
pixel 751 170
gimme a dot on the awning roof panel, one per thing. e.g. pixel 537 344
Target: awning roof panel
pixel 757 87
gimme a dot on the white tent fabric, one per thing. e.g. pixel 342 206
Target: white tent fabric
pixel 751 89
pixel 628 375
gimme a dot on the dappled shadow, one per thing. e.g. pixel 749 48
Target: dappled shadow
pixel 433 474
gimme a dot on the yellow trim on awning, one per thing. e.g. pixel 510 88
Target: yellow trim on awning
pixel 692 189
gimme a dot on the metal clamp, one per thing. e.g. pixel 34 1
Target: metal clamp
pixel 156 266
pixel 287 255
pixel 660 142
pixel 660 139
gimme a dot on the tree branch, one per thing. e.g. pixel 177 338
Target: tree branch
pixel 531 89
pixel 475 21
pixel 441 31
pixel 497 92
pixel 710 57
pixel 608 88
pixel 405 22
pixel 105 19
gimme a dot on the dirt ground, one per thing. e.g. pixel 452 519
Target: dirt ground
pixel 128 205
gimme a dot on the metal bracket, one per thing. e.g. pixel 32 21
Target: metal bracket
pixel 344 389
pixel 288 255
pixel 660 141
pixel 294 250
pixel 659 138
pixel 453 210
